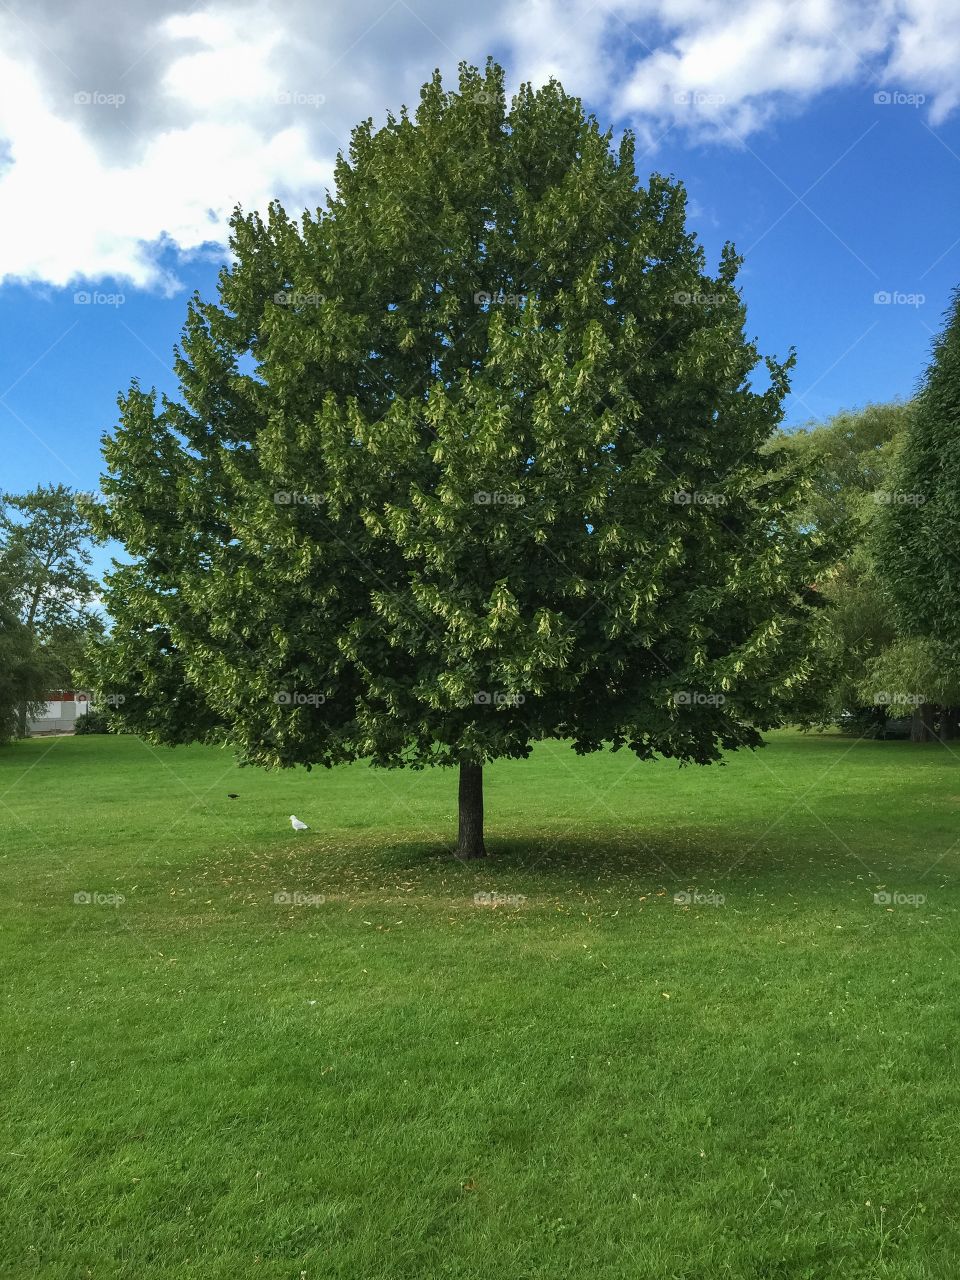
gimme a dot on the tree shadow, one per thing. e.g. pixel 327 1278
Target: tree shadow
pixel 661 856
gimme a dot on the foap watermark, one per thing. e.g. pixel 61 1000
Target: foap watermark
pixel 698 98
pixel 297 98
pixel 98 98
pixel 285 898
pixel 897 98
pixel 290 498
pixel 897 298
pixel 486 96
pixel 883 698
pixel 683 299
pixel 696 698
pixel 693 498
pixel 484 899
pixel 497 699
pixel 297 298
pixel 894 498
pixel 497 298
pixel 693 898
pixel 85 899
pixel 113 699
pixel 483 498
pixel 88 298
pixel 893 898
pixel 299 698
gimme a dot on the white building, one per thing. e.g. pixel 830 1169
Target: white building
pixel 60 713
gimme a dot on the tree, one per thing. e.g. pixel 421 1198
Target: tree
pixel 45 542
pixel 916 677
pixel 23 673
pixel 66 648
pixel 848 462
pixel 23 670
pixel 468 459
pixel 918 539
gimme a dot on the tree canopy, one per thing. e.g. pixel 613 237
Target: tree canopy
pixel 476 455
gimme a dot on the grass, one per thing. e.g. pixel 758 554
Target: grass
pixel 590 1081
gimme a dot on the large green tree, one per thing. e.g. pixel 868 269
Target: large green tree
pixel 469 458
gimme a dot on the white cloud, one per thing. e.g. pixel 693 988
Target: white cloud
pixel 70 211
pixel 193 112
pixel 223 75
pixel 926 53
pixel 726 73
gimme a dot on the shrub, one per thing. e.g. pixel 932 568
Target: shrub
pixel 94 722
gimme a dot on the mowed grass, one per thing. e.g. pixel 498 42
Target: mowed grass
pixel 592 1080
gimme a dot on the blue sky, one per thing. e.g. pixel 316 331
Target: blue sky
pixel 832 196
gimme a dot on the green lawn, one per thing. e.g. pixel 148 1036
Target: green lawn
pixel 591 1081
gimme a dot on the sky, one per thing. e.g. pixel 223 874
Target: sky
pixel 822 138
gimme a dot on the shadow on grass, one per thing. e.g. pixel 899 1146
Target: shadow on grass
pixel 665 857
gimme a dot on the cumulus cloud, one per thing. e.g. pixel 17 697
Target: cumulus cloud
pixel 726 75
pixel 926 52
pixel 130 128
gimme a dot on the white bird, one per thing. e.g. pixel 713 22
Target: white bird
pixel 297 824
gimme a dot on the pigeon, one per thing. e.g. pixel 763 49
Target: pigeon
pixel 297 824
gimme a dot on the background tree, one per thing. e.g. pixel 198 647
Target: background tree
pixel 848 463
pixel 66 648
pixel 469 458
pixel 23 668
pixel 916 677
pixel 918 539
pixel 45 540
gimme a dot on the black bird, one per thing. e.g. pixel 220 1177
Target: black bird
pixel 232 795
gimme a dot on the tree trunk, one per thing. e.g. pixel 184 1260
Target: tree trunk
pixel 950 724
pixel 921 730
pixel 30 621
pixel 470 839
